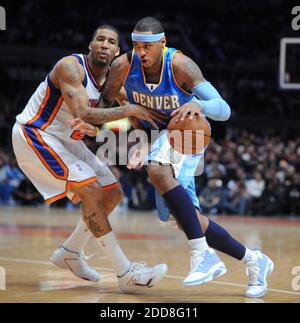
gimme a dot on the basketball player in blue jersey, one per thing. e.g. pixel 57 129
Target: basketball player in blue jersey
pixel 59 164
pixel 166 80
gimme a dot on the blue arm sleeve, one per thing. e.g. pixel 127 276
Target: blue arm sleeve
pixel 211 102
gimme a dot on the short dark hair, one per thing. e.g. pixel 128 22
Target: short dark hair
pixel 109 27
pixel 149 24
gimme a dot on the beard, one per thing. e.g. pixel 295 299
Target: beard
pixel 98 62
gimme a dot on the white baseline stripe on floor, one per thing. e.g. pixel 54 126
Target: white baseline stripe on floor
pixel 40 262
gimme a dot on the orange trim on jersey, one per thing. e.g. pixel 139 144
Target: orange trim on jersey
pixel 110 186
pixel 85 182
pixel 52 152
pixel 132 55
pixel 68 186
pixel 180 88
pixel 42 106
pixel 56 198
pixel 53 113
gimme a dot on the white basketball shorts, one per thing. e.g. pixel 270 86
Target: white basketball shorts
pixel 52 165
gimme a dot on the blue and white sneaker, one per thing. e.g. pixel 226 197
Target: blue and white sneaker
pixel 258 269
pixel 205 266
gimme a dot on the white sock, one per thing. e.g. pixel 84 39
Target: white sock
pixel 114 253
pixel 79 237
pixel 249 255
pixel 199 244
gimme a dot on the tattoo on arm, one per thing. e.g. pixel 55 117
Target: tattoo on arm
pixel 72 72
pixel 193 70
pixel 187 73
pixel 100 116
pixel 74 94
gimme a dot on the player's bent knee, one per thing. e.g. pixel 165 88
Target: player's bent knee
pixel 156 174
pixel 113 196
pixel 89 191
pixel 161 177
pixel 117 195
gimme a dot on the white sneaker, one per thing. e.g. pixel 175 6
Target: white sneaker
pixel 138 276
pixel 205 266
pixel 75 262
pixel 258 269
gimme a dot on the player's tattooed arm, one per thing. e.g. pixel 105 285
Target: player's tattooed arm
pixel 190 78
pixel 68 76
pixel 115 81
pixel 186 72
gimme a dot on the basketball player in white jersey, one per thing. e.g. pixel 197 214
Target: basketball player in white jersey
pixel 58 163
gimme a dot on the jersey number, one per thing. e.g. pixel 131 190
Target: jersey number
pixel 76 135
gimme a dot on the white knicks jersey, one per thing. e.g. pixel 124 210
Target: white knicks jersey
pixel 47 111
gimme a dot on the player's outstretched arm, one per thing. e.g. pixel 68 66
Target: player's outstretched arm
pixel 190 78
pixel 68 75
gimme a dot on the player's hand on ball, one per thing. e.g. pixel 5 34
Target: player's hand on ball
pixel 84 127
pixel 190 109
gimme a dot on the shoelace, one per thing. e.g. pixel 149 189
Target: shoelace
pixel 197 260
pixel 80 254
pixel 140 269
pixel 82 264
pixel 85 257
pixel 252 271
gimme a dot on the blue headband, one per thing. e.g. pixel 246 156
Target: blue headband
pixel 146 37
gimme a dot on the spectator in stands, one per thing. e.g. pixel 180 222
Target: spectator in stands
pixel 210 197
pixel 14 176
pixel 272 199
pixel 236 200
pixel 26 194
pixel 142 196
pixel 293 196
pixel 3 183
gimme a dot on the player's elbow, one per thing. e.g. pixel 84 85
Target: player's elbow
pixel 225 110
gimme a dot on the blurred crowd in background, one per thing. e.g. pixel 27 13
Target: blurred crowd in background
pixel 244 174
pixel 252 164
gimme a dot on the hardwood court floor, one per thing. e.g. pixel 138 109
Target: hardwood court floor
pixel 28 236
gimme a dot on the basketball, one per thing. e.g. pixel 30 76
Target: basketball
pixel 189 136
